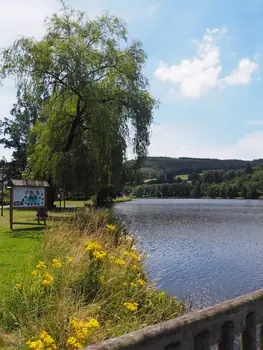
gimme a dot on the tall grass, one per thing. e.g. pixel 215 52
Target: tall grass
pixel 95 288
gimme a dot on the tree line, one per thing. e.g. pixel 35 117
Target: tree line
pixel 153 167
pixel 243 183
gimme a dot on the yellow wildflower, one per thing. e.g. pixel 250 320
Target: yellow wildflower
pixel 35 344
pixel 93 246
pixel 81 331
pixel 120 262
pixel 70 260
pixel 125 284
pixel 34 273
pixel 41 265
pixel 47 280
pixel 111 227
pixel 141 282
pixel 19 285
pixel 132 255
pixel 56 264
pixel 131 306
pixel 74 343
pixel 133 284
pixel 45 342
pixel 99 255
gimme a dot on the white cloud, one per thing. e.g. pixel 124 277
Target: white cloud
pixel 151 10
pixel 171 142
pixel 254 122
pixel 242 74
pixel 197 75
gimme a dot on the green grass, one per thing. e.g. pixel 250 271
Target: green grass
pixel 183 177
pixel 18 248
pixel 18 253
pixel 77 204
pixel 122 199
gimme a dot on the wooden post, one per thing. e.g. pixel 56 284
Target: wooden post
pixel 202 341
pixel 261 336
pixel 45 204
pixel 227 337
pixel 11 207
pixel 248 338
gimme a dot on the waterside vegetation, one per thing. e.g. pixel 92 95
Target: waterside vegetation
pixel 83 282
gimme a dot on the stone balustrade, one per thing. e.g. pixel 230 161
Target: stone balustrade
pixel 200 330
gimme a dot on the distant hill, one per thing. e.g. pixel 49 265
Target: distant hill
pixel 156 166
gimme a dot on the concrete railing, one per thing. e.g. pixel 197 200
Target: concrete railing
pixel 217 325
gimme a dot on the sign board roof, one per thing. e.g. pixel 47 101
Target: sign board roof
pixel 29 183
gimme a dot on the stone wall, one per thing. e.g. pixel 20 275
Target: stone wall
pixel 201 329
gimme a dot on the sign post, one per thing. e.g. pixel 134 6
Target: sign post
pixel 25 194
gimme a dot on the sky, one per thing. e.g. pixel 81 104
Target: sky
pixel 204 66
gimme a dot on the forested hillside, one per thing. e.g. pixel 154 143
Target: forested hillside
pixel 156 166
pixel 243 183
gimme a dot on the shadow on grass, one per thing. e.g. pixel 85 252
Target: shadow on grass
pixel 35 233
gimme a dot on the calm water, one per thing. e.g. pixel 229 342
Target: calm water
pixel 211 250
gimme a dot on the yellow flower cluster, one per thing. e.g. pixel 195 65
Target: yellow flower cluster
pixel 57 264
pixel 47 279
pixel 93 246
pixel 133 284
pixel 41 265
pixel 120 262
pixel 99 255
pixel 35 273
pixel 111 227
pixel 141 282
pixel 19 285
pixel 81 331
pixel 132 255
pixel 131 306
pixel 45 342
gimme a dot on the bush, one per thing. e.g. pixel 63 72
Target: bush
pixel 88 286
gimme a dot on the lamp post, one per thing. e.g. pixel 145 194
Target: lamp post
pixel 3 179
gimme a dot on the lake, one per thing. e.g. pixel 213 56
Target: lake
pixel 210 250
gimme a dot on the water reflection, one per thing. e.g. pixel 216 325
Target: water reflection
pixel 211 250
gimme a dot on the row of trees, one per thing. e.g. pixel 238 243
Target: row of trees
pixel 245 183
pixel 80 91
pixel 171 167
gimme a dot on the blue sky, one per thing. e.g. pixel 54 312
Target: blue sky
pixel 204 65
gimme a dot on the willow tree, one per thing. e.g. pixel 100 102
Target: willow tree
pixel 90 89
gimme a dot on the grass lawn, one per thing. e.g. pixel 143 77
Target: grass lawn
pixel 76 204
pixel 18 248
pixel 183 177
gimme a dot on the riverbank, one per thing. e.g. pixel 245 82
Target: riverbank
pixel 84 282
pixel 202 198
pixel 123 199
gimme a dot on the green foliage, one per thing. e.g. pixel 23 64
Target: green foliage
pixel 212 183
pixel 153 167
pixel 79 90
